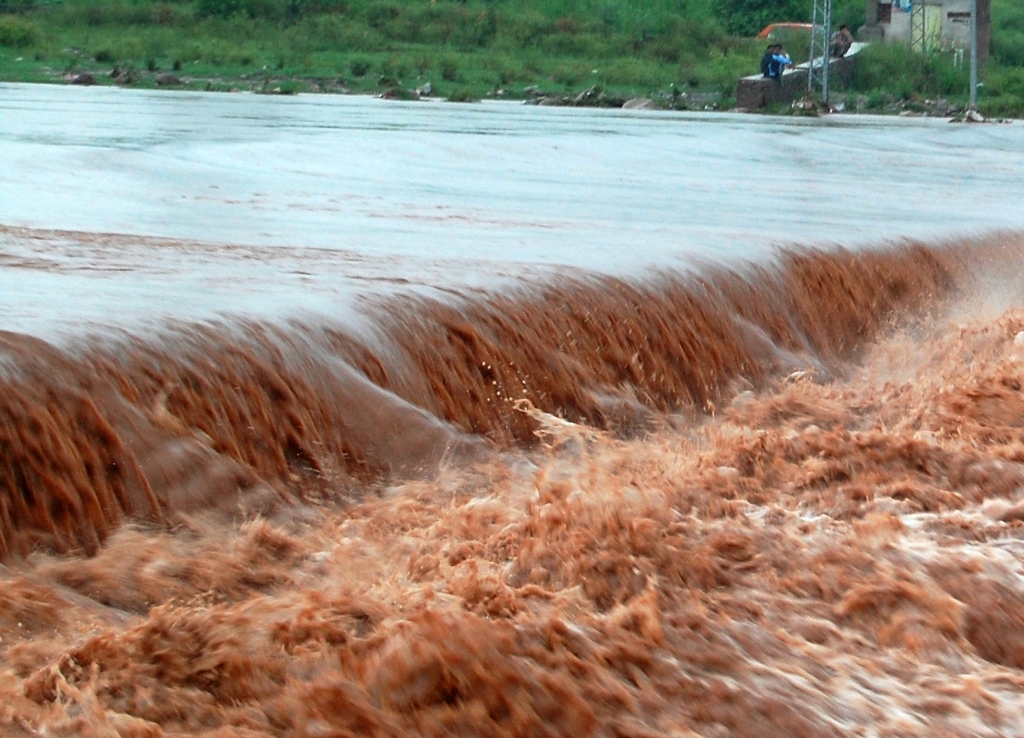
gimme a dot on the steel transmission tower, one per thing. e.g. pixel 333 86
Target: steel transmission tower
pixel 919 26
pixel 821 34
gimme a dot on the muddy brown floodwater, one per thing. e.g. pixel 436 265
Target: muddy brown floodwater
pixel 779 501
pixel 567 496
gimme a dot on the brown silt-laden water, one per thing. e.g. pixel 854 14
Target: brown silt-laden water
pixel 777 496
pixel 764 518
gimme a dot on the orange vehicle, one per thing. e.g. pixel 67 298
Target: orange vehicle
pixel 784 30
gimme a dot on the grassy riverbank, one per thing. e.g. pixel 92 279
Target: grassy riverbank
pixel 466 49
pixel 683 53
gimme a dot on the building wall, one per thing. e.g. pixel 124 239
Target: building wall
pixel 890 21
pixel 956 24
pixel 898 29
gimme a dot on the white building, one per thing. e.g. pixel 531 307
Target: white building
pixel 947 23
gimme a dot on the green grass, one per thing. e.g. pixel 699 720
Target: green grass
pixel 887 74
pixel 468 49
pixel 905 74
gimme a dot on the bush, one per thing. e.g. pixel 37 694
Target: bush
pixel 526 28
pixel 359 67
pixel 748 17
pixel 904 73
pixel 271 10
pixel 1004 106
pixel 1008 47
pixel 115 14
pixel 380 15
pixel 221 8
pixel 633 72
pixel 164 14
pixel 463 95
pixel 571 73
pixel 18 33
pixel 449 69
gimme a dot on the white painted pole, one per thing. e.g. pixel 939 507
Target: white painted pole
pixel 973 105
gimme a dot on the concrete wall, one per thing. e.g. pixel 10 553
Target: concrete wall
pixel 956 24
pixel 954 17
pixel 898 29
pixel 757 92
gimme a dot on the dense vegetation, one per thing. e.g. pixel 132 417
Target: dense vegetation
pixel 467 48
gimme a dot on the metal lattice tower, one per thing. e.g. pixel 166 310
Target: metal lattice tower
pixel 821 34
pixel 918 26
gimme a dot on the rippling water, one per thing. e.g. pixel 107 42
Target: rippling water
pixel 355 194
pixel 494 434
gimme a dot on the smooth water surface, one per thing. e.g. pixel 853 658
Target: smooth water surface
pixel 270 206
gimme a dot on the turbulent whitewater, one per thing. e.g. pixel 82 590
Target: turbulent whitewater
pixel 783 499
pixel 338 417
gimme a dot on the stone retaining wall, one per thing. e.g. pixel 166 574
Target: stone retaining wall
pixel 757 92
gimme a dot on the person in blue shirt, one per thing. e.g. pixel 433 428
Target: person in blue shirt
pixel 779 61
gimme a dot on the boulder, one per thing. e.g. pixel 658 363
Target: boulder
pixel 83 78
pixel 640 103
pixel 589 96
pixel 167 79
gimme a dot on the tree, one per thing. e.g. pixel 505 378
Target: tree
pixel 748 17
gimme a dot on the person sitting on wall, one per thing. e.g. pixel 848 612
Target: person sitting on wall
pixel 766 60
pixel 777 66
pixel 841 42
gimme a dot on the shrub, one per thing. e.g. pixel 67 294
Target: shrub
pixel 359 67
pixel 133 48
pixel 379 15
pixel 463 94
pixel 579 45
pixel 526 28
pixel 571 73
pixel 18 33
pixel 632 72
pixel 1008 47
pixel 747 17
pixel 357 37
pixel 271 10
pixel 1010 106
pixel 221 8
pixel 164 14
pixel 117 14
pixel 449 69
pixel 508 74
pixel 894 67
pixel 423 63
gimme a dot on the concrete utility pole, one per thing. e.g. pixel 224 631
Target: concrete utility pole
pixel 973 105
